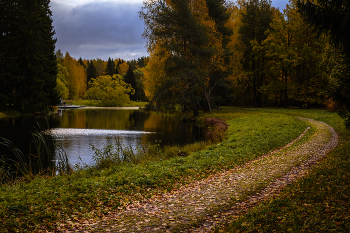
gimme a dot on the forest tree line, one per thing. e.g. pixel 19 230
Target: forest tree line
pixel 76 76
pixel 246 53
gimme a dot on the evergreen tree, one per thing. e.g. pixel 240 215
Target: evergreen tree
pixel 110 69
pixel 90 72
pixel 131 79
pixel 80 61
pixel 28 62
pixel 9 52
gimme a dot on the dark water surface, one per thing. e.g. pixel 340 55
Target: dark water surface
pixel 75 129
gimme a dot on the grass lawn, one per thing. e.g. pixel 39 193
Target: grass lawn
pixel 50 202
pixel 319 202
pixel 8 113
pixel 93 103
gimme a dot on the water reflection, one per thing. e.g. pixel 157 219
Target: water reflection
pixel 76 129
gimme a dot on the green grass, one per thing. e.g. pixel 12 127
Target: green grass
pixel 48 201
pixel 319 202
pixel 93 103
pixel 8 113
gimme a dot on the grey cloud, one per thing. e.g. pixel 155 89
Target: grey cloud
pixel 106 29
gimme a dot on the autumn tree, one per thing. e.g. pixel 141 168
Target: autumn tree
pixel 109 91
pixel 256 19
pixel 332 17
pixel 100 66
pixel 297 66
pixel 123 67
pixel 184 33
pixel 62 82
pixel 77 77
pixel 28 67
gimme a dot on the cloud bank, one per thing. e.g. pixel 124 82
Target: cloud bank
pixel 99 30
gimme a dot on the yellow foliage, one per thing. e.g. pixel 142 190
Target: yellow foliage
pixel 77 77
pixel 154 73
pixel 123 67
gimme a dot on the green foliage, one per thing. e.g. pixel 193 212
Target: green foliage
pixel 336 26
pixel 256 21
pixel 62 81
pixel 44 157
pixel 109 91
pixel 28 66
pixel 131 79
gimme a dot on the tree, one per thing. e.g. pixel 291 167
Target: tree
pixel 256 19
pixel 123 67
pixel 109 91
pixel 332 17
pixel 131 79
pixel 62 81
pixel 184 32
pixel 81 62
pixel 77 77
pixel 90 72
pixel 110 69
pixel 297 64
pixel 28 67
pixel 139 89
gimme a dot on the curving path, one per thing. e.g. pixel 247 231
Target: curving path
pixel 224 196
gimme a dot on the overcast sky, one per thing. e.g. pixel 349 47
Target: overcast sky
pixel 103 28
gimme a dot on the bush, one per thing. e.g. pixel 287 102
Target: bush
pixel 215 129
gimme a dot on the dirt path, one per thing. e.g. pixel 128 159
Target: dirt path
pixel 200 206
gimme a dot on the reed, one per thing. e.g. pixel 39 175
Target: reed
pixel 41 159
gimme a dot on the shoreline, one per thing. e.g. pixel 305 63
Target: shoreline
pixel 116 108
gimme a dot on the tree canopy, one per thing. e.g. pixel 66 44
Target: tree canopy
pixel 332 18
pixel 109 91
pixel 191 40
pixel 28 67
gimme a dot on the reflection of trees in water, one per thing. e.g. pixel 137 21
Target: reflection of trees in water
pixel 29 148
pixel 167 129
pixel 138 118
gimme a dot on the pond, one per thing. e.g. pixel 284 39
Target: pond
pixel 76 130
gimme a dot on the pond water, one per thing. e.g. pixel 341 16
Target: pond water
pixel 76 130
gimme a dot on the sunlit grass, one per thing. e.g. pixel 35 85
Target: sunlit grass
pixel 94 103
pixel 92 192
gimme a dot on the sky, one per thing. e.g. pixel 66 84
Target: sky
pixel 93 29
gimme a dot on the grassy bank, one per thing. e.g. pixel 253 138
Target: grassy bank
pixel 318 202
pixel 93 103
pixel 53 202
pixel 8 113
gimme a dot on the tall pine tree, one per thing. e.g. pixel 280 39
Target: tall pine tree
pixel 90 72
pixel 110 69
pixel 27 58
pixel 131 79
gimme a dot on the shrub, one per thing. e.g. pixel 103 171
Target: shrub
pixel 215 129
